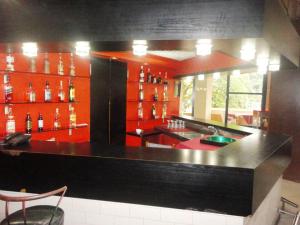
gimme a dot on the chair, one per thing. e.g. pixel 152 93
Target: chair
pixel 34 215
pixel 282 211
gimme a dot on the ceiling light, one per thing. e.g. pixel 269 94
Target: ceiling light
pixel 140 47
pixel 201 77
pixel 82 48
pixel 262 62
pixel 274 64
pixel 30 49
pixel 248 49
pixel 216 75
pixel 204 47
pixel 236 73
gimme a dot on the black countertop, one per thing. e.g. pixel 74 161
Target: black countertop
pixel 232 180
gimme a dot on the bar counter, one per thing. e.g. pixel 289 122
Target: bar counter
pixel 233 180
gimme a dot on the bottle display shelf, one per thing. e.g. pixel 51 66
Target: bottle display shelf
pixel 146 83
pixel 36 103
pixel 19 73
pixel 78 126
pixel 147 120
pixel 159 101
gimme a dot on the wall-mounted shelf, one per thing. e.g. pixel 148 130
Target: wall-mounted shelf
pixel 78 126
pixel 35 103
pixel 144 83
pixel 133 100
pixel 19 73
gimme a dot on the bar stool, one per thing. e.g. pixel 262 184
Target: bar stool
pixel 35 215
pixel 282 211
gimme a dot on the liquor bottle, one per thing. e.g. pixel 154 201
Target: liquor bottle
pixel 72 118
pixel 28 124
pixel 154 80
pixel 155 96
pixel 32 66
pixel 8 89
pixel 60 66
pixel 46 64
pixel 71 92
pixel 164 112
pixel 72 66
pixel 140 111
pixel 166 79
pixel 141 93
pixel 48 94
pixel 61 93
pixel 57 124
pixel 159 80
pixel 153 111
pixel 10 61
pixel 142 75
pixel 30 94
pixel 40 123
pixel 165 93
pixel 10 123
pixel 149 76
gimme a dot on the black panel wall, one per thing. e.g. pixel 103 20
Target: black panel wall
pixel 108 101
pixel 117 20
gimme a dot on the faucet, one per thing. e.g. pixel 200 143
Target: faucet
pixel 213 129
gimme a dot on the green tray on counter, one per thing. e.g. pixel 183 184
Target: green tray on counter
pixel 217 140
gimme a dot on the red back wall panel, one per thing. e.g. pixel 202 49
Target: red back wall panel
pixel 20 79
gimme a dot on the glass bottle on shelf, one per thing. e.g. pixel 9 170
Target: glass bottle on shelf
pixel 142 75
pixel 30 94
pixel 149 76
pixel 61 93
pixel 57 123
pixel 165 93
pixel 48 93
pixel 40 123
pixel 72 118
pixel 164 112
pixel 10 123
pixel 8 89
pixel 141 93
pixel 46 64
pixel 155 96
pixel 10 61
pixel 71 91
pixel 159 79
pixel 60 66
pixel 32 66
pixel 140 111
pixel 153 112
pixel 28 124
pixel 72 66
pixel 166 79
pixel 154 80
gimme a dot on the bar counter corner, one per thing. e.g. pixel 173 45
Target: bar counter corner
pixel 233 180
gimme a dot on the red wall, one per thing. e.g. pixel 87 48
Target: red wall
pixel 20 82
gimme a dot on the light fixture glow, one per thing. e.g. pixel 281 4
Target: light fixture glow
pixel 236 73
pixel 201 77
pixel 140 47
pixel 262 62
pixel 216 75
pixel 248 49
pixel 30 49
pixel 82 48
pixel 204 47
pixel 274 64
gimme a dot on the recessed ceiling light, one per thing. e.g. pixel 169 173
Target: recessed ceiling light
pixel 82 48
pixel 204 47
pixel 30 49
pixel 140 47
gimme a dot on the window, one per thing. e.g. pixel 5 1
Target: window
pixel 205 98
pixel 186 96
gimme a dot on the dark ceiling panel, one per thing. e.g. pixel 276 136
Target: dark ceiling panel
pixel 118 20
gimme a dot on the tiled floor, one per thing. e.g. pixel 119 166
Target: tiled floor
pixel 291 191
